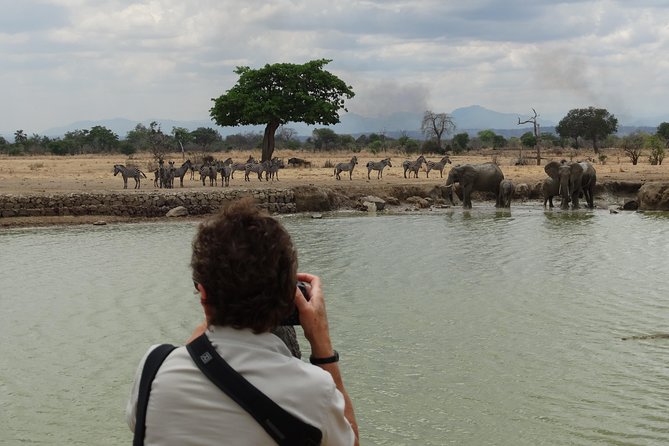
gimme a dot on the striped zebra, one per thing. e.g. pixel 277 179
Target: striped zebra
pixel 258 168
pixel 241 166
pixel 164 176
pixel 225 169
pixel 378 165
pixel 132 172
pixel 210 172
pixel 346 167
pixel 413 166
pixel 180 172
pixel 273 170
pixel 439 165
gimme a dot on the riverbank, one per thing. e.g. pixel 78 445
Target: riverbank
pixel 46 190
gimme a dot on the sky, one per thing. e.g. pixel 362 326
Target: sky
pixel 69 60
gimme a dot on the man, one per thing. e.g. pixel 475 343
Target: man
pixel 245 270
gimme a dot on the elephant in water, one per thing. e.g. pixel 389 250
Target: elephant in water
pixel 506 189
pixel 549 189
pixel 574 179
pixel 484 177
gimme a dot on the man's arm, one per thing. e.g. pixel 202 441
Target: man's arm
pixel 314 321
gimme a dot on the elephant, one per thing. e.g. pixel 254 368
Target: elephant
pixel 550 188
pixel 506 189
pixel 484 177
pixel 573 179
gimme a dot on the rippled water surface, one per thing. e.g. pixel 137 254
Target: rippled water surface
pixel 466 328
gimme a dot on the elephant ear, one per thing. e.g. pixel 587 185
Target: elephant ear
pixel 552 169
pixel 468 172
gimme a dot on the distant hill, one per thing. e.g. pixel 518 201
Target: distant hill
pixel 470 119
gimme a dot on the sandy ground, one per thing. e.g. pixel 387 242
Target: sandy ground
pixel 94 173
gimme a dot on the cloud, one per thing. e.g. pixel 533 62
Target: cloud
pixel 149 58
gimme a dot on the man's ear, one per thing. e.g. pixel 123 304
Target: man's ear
pixel 203 300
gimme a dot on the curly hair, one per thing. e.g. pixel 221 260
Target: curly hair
pixel 246 262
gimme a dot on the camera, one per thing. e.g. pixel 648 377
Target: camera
pixel 294 319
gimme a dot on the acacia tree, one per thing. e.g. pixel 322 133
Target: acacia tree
pixel 590 123
pixel 281 93
pixel 436 125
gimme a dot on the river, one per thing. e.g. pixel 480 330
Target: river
pixel 477 327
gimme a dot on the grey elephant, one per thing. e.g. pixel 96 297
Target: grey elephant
pixel 574 179
pixel 550 188
pixel 484 177
pixel 506 189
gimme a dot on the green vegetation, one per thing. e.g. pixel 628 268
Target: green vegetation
pixel 280 93
pixel 589 123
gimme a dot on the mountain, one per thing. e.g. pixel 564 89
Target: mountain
pixel 477 117
pixel 470 119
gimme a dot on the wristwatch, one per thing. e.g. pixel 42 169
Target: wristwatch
pixel 328 360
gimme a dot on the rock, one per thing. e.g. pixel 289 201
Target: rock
pixel 393 201
pixel 379 203
pixel 309 198
pixel 631 205
pixel 100 223
pixel 654 196
pixel 178 211
pixel 317 216
pixel 418 201
pixel 369 206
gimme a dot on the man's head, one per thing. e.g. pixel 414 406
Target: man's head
pixel 246 262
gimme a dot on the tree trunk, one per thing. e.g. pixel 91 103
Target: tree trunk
pixel 594 145
pixel 538 155
pixel 268 140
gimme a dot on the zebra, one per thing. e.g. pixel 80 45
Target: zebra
pixel 194 168
pixel 378 165
pixel 413 166
pixel 209 171
pixel 258 168
pixel 346 167
pixel 164 176
pixel 180 172
pixel 225 169
pixel 132 172
pixel 273 169
pixel 440 165
pixel 241 166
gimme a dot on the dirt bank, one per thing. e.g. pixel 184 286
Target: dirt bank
pixel 48 175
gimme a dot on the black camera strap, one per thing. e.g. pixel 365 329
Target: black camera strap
pixel 284 427
pixel 151 366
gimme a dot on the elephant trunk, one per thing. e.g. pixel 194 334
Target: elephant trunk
pixel 449 186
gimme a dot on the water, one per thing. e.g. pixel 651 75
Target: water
pixel 466 328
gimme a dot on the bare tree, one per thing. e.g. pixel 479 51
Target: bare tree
pixel 435 125
pixel 534 122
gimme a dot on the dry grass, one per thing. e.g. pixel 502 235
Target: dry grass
pixel 94 173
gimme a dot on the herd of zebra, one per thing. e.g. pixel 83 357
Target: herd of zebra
pixel 413 167
pixel 165 175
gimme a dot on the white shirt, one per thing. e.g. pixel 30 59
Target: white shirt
pixel 185 408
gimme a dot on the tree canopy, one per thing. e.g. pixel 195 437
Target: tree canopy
pixel 281 93
pixel 590 123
